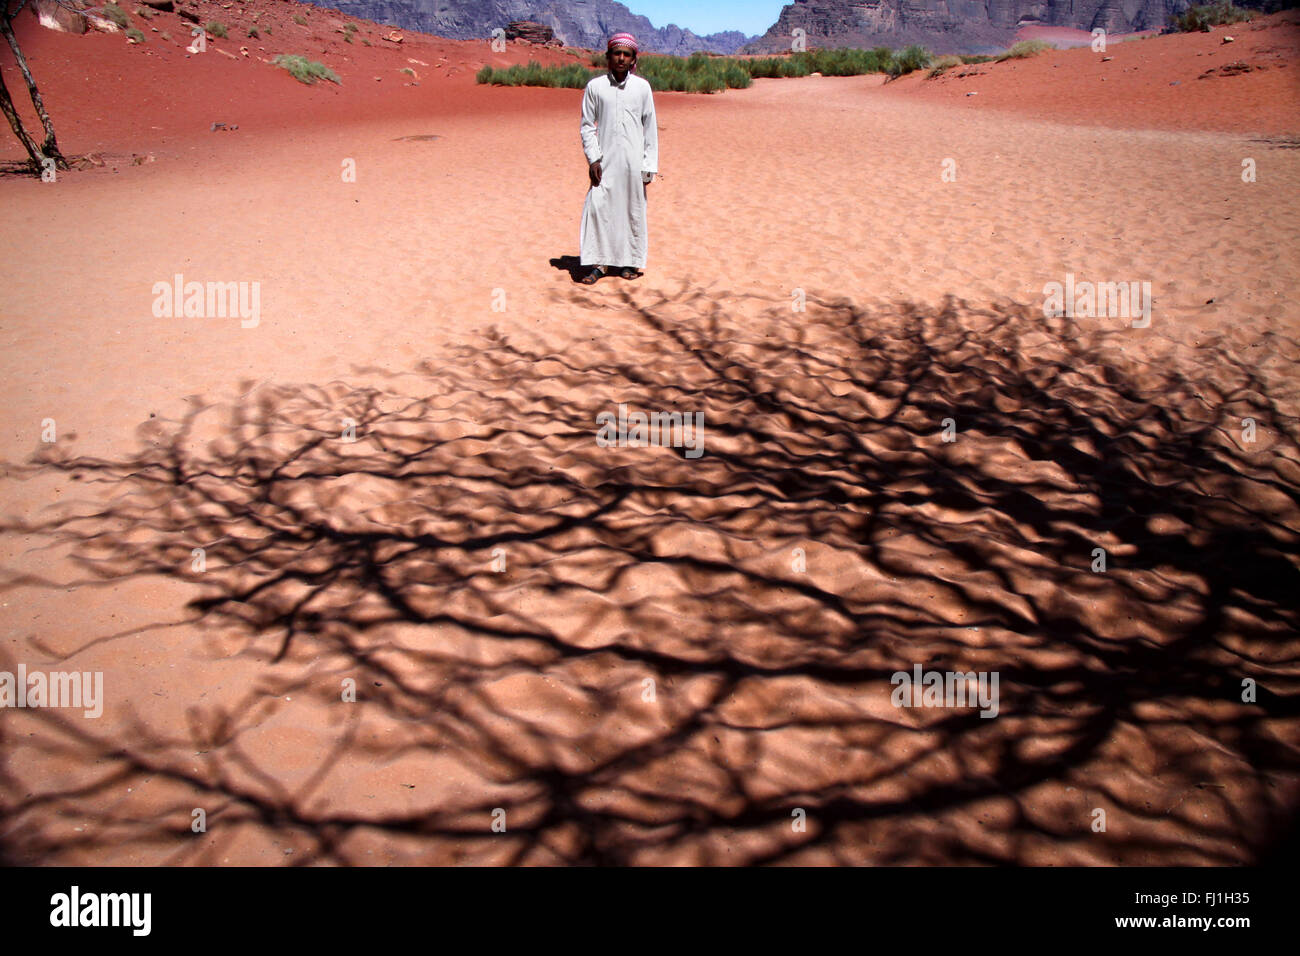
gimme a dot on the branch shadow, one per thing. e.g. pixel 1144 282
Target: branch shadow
pixel 644 657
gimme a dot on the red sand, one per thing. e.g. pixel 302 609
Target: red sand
pixel 1150 83
pixel 107 94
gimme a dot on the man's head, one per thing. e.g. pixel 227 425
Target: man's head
pixel 621 54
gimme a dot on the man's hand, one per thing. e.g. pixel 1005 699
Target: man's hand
pixel 594 172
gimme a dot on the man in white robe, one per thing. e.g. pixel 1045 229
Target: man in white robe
pixel 621 141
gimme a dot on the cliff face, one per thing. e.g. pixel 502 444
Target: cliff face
pixel 953 25
pixel 944 26
pixel 584 23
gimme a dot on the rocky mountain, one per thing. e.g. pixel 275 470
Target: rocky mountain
pixel 951 26
pixel 582 23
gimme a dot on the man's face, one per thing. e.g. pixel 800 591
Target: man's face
pixel 620 59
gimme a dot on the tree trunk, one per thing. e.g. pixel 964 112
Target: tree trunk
pixel 51 146
pixel 16 124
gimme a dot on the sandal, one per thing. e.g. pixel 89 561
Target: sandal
pixel 628 273
pixel 591 277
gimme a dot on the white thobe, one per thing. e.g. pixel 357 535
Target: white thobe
pixel 618 129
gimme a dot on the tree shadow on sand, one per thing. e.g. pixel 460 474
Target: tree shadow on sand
pixel 643 657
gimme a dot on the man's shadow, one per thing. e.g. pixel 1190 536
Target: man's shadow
pixel 577 271
pixel 571 264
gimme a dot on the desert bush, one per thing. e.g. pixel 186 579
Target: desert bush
pixel 907 60
pixel 703 83
pixel 1210 15
pixel 1023 49
pixel 305 70
pixel 944 63
pixel 252 33
pixel 736 77
pixel 846 62
pixel 698 73
pixel 136 34
pixel 572 76
pixel 703 73
pixel 117 15
pixel 216 28
pixel 300 20
pixel 774 67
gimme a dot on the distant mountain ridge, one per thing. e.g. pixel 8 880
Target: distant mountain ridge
pixel 943 26
pixel 960 26
pixel 581 23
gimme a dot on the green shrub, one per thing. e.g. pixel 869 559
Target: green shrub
pixel 117 15
pixel 572 76
pixel 134 33
pixel 300 20
pixel 252 33
pixel 944 63
pixel 698 73
pixel 908 59
pixel 1023 49
pixel 703 73
pixel 305 70
pixel 703 83
pixel 1211 15
pixel 216 28
pixel 837 62
pixel 407 70
pixel 843 62
pixel 736 77
pixel 770 67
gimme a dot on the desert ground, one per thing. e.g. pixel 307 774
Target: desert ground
pixel 364 588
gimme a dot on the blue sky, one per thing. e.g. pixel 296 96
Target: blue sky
pixel 710 16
